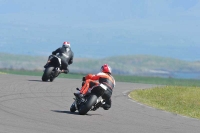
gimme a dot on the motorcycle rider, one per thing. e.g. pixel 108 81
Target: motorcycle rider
pixel 93 80
pixel 66 55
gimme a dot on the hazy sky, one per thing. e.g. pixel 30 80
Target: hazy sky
pixel 99 22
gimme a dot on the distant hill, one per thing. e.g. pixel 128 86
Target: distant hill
pixel 146 65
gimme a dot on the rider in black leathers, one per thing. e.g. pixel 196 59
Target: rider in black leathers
pixel 66 55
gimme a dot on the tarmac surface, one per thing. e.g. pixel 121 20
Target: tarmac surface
pixel 28 105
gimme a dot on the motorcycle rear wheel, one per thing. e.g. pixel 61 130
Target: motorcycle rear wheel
pixel 84 108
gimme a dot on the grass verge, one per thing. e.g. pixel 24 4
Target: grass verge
pixel 176 99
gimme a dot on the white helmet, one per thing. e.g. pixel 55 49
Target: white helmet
pixel 66 44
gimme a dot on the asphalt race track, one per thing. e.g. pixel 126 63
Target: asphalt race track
pixel 28 105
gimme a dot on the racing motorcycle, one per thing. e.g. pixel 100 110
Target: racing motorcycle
pixel 90 102
pixel 52 70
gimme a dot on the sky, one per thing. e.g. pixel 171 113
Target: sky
pixel 101 28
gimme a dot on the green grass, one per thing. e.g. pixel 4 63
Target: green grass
pixel 2 72
pixel 177 99
pixel 118 78
pixel 158 80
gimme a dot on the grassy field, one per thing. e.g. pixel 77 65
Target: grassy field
pixel 177 99
pixel 180 96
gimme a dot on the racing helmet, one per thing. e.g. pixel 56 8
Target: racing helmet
pixel 66 44
pixel 106 69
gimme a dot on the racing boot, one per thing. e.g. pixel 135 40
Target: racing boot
pixel 105 106
pixel 66 71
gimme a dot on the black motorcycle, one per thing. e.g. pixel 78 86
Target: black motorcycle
pixel 91 101
pixel 52 70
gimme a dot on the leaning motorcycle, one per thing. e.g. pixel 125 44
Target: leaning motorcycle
pixel 90 102
pixel 52 70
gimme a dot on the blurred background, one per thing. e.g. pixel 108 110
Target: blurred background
pixel 100 30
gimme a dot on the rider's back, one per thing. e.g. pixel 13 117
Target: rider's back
pixel 65 53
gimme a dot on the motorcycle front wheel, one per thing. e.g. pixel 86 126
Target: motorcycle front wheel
pixel 47 73
pixel 73 108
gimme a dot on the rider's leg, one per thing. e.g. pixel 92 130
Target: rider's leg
pixel 85 87
pixel 64 67
pixel 107 104
pixel 107 97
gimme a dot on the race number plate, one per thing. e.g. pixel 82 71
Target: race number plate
pixel 103 86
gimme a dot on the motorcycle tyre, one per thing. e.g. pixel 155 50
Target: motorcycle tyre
pixel 47 73
pixel 72 108
pixel 52 78
pixel 91 100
